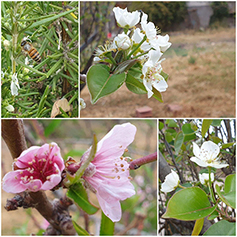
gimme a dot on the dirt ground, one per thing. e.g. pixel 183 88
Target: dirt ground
pixel 201 68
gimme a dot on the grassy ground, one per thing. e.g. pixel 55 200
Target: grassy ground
pixel 201 68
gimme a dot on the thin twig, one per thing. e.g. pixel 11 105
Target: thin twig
pixel 142 161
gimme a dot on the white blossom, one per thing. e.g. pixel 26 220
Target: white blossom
pixel 138 37
pixel 82 104
pixel 122 41
pixel 160 42
pixel 6 44
pixel 204 178
pixel 10 108
pixel 125 18
pixel 207 155
pixel 171 182
pixel 151 71
pixel 14 85
pixel 148 27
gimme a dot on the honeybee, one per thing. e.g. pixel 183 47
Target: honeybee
pixel 29 48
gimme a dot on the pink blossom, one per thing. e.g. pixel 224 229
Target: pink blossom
pixel 37 168
pixel 108 174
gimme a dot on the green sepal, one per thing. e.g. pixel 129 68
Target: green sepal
pixel 79 195
pixel 80 231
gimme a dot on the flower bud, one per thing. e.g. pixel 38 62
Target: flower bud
pixel 6 44
pixel 122 41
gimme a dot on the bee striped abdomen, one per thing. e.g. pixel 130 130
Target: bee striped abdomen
pixel 34 54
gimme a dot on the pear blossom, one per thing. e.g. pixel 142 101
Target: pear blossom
pixel 207 155
pixel 14 85
pixel 151 71
pixel 122 41
pixel 137 37
pixel 204 178
pixel 171 182
pixel 37 168
pixel 160 42
pixel 148 27
pixel 126 19
pixel 108 173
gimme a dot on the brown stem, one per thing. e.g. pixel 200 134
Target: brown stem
pixel 13 134
pixel 142 161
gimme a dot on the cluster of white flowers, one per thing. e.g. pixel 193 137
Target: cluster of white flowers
pixel 149 46
pixel 206 156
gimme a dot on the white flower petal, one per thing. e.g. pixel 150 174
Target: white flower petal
pixel 210 149
pixel 199 161
pixel 170 183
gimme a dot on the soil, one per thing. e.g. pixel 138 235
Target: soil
pixel 201 68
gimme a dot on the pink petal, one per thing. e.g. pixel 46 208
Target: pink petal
pixel 53 180
pixel 110 193
pixel 34 185
pixel 111 210
pixel 57 156
pixel 113 144
pixel 11 182
pixel 26 156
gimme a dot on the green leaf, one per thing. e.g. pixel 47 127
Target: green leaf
pixel 214 215
pixel 101 83
pixel 226 145
pixel 229 194
pixel 225 198
pixel 171 123
pixel 215 139
pixel 161 125
pixel 205 125
pixel 49 19
pixel 198 227
pixel 79 230
pixel 178 142
pixel 124 66
pixel 78 193
pixel 164 75
pixel 186 128
pixel 157 95
pixel 222 227
pixel 106 226
pixel 189 204
pixel 188 132
pixel 134 85
pixel 216 122
pixel 230 182
pixel 168 137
